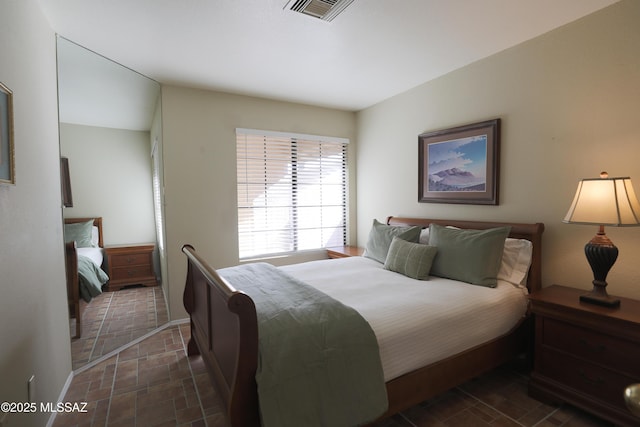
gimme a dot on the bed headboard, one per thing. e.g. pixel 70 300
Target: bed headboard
pixel 531 232
pixel 97 221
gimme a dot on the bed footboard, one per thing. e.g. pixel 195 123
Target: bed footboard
pixel 224 331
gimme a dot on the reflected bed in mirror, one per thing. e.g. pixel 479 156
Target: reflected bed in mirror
pixel 111 132
pixel 83 254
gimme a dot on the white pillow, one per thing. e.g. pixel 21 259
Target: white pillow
pixel 424 236
pixel 516 260
pixel 95 237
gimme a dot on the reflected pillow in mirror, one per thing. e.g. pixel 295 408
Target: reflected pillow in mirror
pixel 80 232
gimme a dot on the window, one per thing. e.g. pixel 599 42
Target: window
pixel 292 192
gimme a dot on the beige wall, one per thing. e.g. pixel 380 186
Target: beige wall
pixel 110 173
pixel 200 166
pixel 34 326
pixel 570 107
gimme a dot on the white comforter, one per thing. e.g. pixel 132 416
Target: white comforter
pixel 416 322
pixel 94 254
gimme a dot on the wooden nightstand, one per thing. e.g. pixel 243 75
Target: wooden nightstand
pixel 344 251
pixel 130 265
pixel 585 354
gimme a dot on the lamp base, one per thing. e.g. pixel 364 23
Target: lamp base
pixel 601 254
pixel 603 300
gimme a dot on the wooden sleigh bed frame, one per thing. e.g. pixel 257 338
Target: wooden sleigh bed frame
pixel 224 331
pixel 73 281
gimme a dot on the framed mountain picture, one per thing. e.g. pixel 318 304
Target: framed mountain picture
pixel 460 164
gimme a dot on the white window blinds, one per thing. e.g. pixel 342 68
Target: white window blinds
pixel 292 192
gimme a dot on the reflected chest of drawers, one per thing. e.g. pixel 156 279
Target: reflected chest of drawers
pixel 130 265
pixel 585 355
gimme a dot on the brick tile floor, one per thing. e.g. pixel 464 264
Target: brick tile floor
pixel 154 383
pixel 114 319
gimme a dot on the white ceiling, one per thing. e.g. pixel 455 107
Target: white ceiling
pixel 375 49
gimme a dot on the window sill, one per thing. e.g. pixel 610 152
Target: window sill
pixel 289 258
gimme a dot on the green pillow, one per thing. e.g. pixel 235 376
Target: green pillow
pixel 411 259
pixel 471 256
pixel 380 238
pixel 80 232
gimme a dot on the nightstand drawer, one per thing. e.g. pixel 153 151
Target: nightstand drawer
pixel 592 346
pixel 131 273
pixel 594 380
pixel 130 259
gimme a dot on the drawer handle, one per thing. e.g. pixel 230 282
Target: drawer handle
pixel 129 260
pixel 132 273
pixel 596 382
pixel 595 348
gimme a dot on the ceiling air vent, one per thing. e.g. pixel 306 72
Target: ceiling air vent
pixel 322 9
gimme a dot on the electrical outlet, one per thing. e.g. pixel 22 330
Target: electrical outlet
pixel 31 389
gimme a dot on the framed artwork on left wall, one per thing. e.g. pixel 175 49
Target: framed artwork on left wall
pixel 7 161
pixel 460 164
pixel 65 178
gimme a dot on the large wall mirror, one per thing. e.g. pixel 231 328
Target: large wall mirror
pixel 111 136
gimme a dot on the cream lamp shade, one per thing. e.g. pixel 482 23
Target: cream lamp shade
pixel 604 201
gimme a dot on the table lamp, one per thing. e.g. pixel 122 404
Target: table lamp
pixel 603 201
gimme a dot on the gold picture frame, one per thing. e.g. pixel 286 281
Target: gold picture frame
pixel 7 159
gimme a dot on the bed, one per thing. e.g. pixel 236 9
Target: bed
pixel 83 260
pixel 224 332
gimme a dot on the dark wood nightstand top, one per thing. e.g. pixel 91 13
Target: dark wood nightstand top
pixel 564 303
pixel 344 251
pixel 130 247
pixel 557 295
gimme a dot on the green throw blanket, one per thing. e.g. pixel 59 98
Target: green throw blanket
pixel 91 278
pixel 319 363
